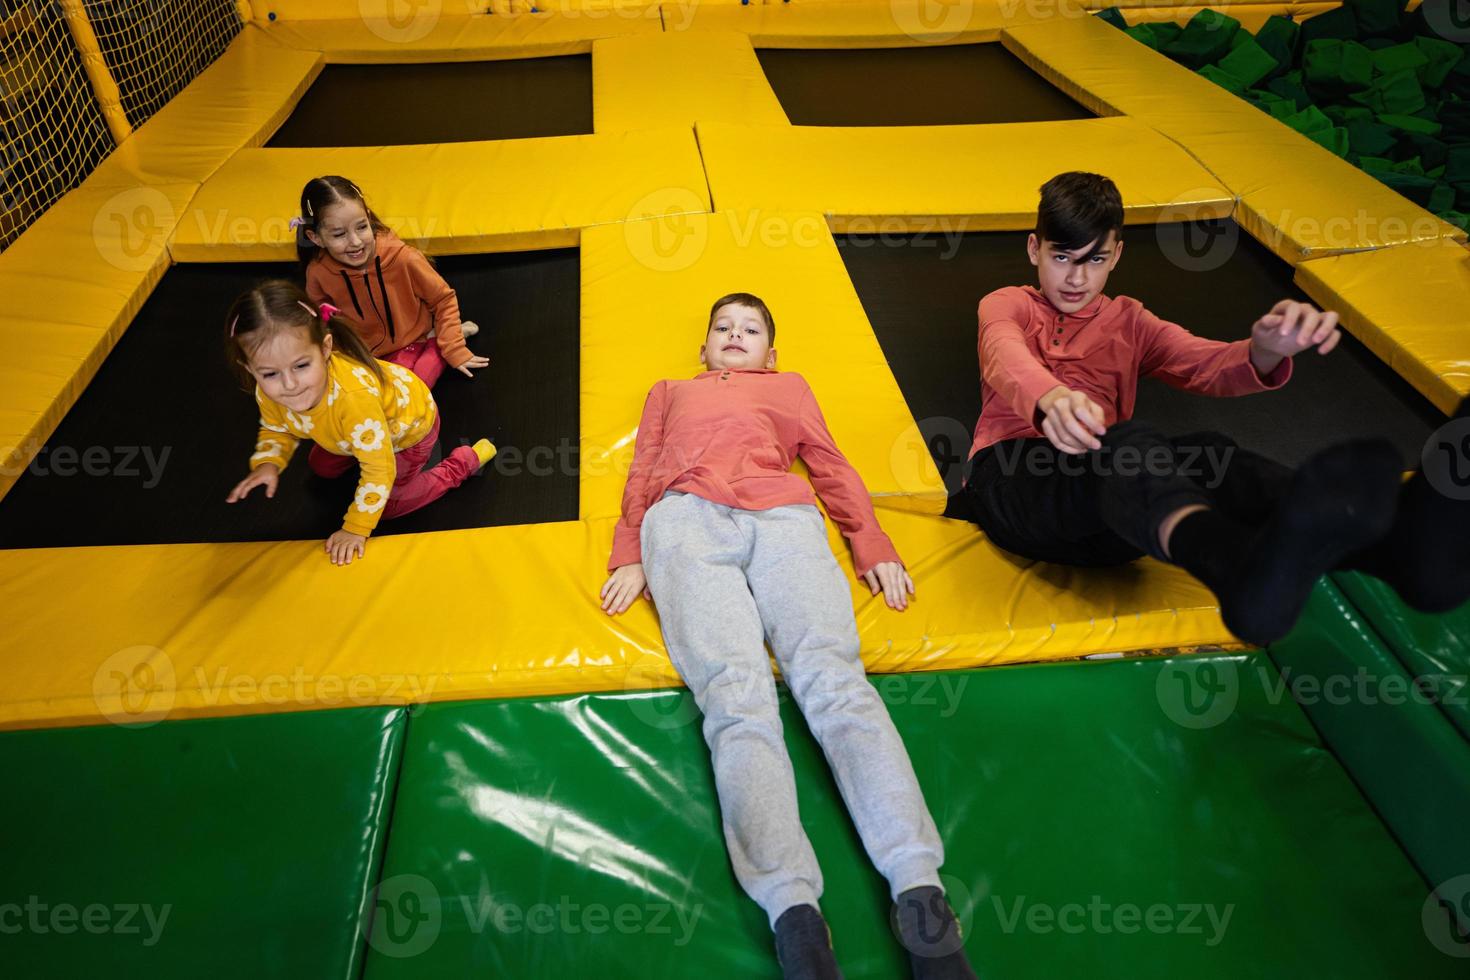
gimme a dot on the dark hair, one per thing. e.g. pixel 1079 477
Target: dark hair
pixel 319 194
pixel 1078 209
pixel 745 299
pixel 276 306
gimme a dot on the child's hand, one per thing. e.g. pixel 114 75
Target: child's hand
pixel 1289 329
pixel 343 546
pixel 474 362
pixel 895 582
pixel 622 587
pixel 266 475
pixel 1072 421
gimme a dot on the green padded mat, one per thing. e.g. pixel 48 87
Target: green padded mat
pixel 1402 749
pixel 1136 818
pixel 240 847
pixel 1435 650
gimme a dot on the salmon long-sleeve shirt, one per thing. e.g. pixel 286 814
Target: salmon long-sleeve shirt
pixel 731 437
pixel 1028 347
pixel 358 416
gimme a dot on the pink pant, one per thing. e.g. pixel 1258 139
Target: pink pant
pixel 414 486
pixel 422 358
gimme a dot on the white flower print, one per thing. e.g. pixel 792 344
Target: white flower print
pixel 402 387
pixel 302 423
pixel 274 428
pixel 368 435
pixel 398 371
pixel 267 449
pixel 371 497
pixel 365 377
pixel 336 390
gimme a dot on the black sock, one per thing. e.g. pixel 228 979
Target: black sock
pixel 928 929
pixel 804 945
pixel 1339 502
pixel 1425 556
pixel 1211 547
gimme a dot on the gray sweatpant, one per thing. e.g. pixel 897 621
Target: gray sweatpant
pixel 725 580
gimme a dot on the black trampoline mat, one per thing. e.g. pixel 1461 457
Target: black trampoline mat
pixel 456 102
pixel 921 292
pixel 170 431
pixel 931 85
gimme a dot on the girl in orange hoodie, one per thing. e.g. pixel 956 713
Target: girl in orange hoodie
pixel 404 311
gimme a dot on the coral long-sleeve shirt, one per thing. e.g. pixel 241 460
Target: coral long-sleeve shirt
pixel 1028 347
pixel 731 437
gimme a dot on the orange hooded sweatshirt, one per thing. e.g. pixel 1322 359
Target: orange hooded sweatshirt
pixel 395 300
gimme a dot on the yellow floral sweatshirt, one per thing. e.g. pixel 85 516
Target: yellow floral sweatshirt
pixel 358 416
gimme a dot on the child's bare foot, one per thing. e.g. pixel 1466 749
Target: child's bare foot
pixel 469 328
pixel 804 945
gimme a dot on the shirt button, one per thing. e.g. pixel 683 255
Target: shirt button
pixel 725 375
pixel 1059 329
pixel 1055 342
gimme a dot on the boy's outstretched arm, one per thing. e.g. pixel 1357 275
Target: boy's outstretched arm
pixel 1220 368
pixel 1288 329
pixel 626 581
pixel 874 558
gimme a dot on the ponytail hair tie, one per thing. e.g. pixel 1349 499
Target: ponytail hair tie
pixel 326 311
pixel 295 223
pixel 233 324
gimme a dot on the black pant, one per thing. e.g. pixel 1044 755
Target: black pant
pixel 1105 507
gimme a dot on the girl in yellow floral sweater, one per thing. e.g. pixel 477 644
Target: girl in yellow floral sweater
pixel 315 379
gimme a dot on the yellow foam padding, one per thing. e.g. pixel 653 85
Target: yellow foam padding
pixel 387 11
pixel 1407 304
pixel 1295 197
pixel 950 178
pixel 678 266
pixel 1250 14
pixel 363 40
pixel 719 79
pixel 72 284
pixel 238 101
pixel 156 633
pixel 450 198
pixel 860 23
